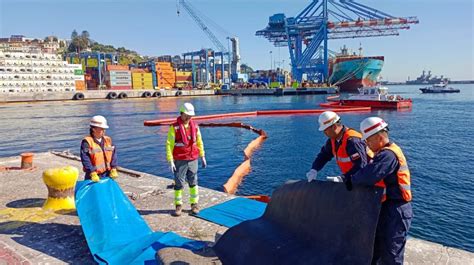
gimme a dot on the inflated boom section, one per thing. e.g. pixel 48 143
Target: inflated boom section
pixel 244 168
pixel 337 109
pixel 307 223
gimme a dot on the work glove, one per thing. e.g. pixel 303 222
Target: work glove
pixel 113 173
pixel 348 182
pixel 311 175
pixel 172 166
pixel 95 177
pixel 335 179
pixel 204 162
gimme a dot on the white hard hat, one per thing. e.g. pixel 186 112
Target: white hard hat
pixel 371 126
pixel 327 119
pixel 187 109
pixel 99 121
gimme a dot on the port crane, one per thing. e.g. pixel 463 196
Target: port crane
pixel 307 34
pixel 222 51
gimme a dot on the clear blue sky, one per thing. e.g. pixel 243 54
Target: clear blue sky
pixel 442 42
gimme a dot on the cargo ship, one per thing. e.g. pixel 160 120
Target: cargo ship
pixel 351 71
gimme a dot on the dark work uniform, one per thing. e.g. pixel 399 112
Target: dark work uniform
pixel 354 145
pixel 396 214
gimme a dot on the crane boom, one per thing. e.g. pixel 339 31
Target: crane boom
pixel 203 26
pixel 307 34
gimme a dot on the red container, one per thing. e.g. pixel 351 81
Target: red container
pixel 112 67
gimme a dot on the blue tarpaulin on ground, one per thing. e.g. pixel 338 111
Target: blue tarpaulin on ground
pixel 233 212
pixel 115 231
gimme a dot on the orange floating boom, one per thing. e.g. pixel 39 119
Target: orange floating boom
pixel 336 108
pixel 244 168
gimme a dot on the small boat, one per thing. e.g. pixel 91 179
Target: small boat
pixel 375 97
pixel 440 88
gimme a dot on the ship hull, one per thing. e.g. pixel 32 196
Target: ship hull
pixel 433 91
pixel 399 104
pixel 351 73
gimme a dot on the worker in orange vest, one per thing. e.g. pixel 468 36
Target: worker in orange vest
pixel 344 144
pixel 98 155
pixel 183 148
pixel 389 171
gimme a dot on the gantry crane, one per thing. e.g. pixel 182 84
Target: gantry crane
pixel 222 51
pixel 307 34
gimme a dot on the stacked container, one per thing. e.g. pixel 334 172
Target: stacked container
pixel 118 77
pixel 183 78
pixel 92 78
pixel 36 72
pixel 165 75
pixel 79 82
pixel 142 79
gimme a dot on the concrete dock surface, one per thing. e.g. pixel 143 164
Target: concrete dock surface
pixel 30 235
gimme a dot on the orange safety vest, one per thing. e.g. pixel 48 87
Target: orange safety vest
pixel 100 158
pixel 182 151
pixel 403 175
pixel 343 160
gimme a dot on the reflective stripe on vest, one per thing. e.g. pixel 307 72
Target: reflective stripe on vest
pixel 100 159
pixel 342 158
pixel 182 151
pixel 403 174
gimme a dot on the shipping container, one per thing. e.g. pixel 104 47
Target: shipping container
pixel 112 67
pixel 118 78
pixel 138 70
pixel 91 62
pixel 127 73
pixel 165 64
pixel 183 73
pixel 184 78
pixel 80 85
pixel 118 83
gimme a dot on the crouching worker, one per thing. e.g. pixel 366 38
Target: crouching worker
pixel 183 148
pixel 98 155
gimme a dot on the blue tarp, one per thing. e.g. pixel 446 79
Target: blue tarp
pixel 115 231
pixel 233 212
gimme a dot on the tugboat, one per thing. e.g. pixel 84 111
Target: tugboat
pixel 374 97
pixel 440 88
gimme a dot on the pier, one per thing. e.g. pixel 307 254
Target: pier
pixel 30 235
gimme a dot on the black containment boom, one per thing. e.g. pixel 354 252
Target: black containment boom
pixel 307 223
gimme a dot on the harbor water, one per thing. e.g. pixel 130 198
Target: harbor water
pixel 435 137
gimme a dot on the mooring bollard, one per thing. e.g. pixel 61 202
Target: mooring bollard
pixel 61 183
pixel 26 160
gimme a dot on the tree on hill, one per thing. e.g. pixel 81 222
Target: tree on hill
pixel 79 42
pixel 83 41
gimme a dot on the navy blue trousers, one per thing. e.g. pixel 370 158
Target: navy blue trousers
pixel 392 230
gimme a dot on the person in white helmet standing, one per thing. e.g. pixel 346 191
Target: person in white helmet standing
pixel 388 170
pixel 344 144
pixel 98 154
pixel 183 148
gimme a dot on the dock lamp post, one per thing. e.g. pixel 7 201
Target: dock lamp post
pixel 229 62
pixel 271 60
